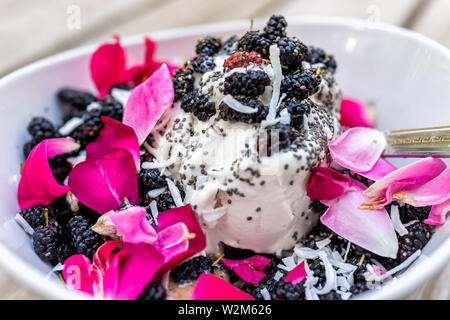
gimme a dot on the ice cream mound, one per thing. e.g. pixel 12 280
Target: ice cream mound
pixel 252 117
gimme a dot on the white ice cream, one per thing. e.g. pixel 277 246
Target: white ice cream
pixel 245 199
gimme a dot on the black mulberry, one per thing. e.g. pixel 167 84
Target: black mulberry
pixel 250 84
pixel 208 46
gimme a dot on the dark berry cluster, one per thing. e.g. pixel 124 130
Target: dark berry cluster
pixel 300 84
pixel 318 55
pixel 75 98
pixel 208 46
pixel 84 240
pixel 250 84
pixel 230 114
pixel 198 104
pixel 297 110
pixel 153 291
pixel 190 270
pixel 40 129
pixel 202 63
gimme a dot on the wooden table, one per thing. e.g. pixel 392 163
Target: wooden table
pixel 33 29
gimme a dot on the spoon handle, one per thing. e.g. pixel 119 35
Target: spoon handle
pixel 418 143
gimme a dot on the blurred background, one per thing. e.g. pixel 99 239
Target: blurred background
pixel 33 29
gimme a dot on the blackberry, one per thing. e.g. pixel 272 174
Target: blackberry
pixel 165 202
pixel 287 291
pixel 60 168
pixel 229 114
pixel 409 213
pixel 111 108
pixel 297 109
pixel 267 283
pixel 64 250
pixel 28 146
pixel 286 136
pixel 292 51
pixel 190 270
pixel 332 295
pixel 35 216
pixel 40 128
pixel 317 55
pixel 150 179
pixel 250 84
pixel 198 104
pixel 300 84
pixel 208 46
pixel 275 27
pixel 317 207
pixel 84 240
pixel 153 291
pixel 89 130
pixel 229 46
pixel 418 236
pixel 46 242
pixel 183 82
pixel 253 41
pixel 202 63
pixel 75 98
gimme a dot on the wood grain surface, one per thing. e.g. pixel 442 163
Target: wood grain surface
pixel 33 29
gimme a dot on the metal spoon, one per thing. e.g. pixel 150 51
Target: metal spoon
pixel 418 143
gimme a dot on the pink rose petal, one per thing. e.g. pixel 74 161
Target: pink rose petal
pixel 433 192
pixel 37 185
pixel 119 270
pixel 103 184
pixel 250 270
pixel 139 73
pixel 136 270
pixel 355 114
pixel 438 214
pixel 209 287
pixel 297 274
pixel 173 242
pixel 148 101
pixel 107 66
pixel 381 168
pixel 358 149
pixel 115 134
pixel 406 178
pixel 80 274
pixel 327 184
pixel 371 230
pixel 133 226
pixel 186 216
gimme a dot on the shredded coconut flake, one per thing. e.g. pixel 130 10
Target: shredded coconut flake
pixel 121 95
pixel 156 192
pixel 237 106
pixel 175 193
pixel 330 274
pixel 93 106
pixel 24 224
pixel 278 275
pixel 158 165
pixel 278 76
pixel 212 214
pixel 265 294
pixel 70 125
pixel 323 243
pixel 396 222
pixel 154 210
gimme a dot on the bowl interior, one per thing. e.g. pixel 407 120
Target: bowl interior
pixel 404 75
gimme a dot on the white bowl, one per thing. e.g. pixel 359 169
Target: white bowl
pixel 406 75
